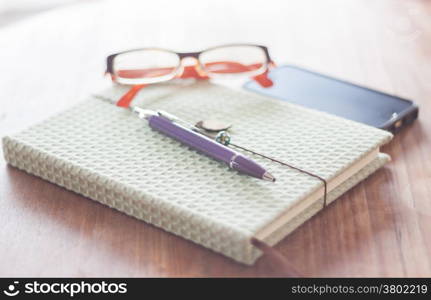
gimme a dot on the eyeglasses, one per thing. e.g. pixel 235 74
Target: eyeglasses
pixel 141 67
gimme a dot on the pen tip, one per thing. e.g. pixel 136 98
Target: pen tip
pixel 268 177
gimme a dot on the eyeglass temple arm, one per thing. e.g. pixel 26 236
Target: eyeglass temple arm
pixel 127 98
pixel 263 79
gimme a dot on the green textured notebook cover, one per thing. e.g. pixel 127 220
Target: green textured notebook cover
pixel 107 154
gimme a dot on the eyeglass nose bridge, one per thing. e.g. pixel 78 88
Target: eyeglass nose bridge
pixel 183 55
pixel 191 71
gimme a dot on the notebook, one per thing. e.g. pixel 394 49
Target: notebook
pixel 109 155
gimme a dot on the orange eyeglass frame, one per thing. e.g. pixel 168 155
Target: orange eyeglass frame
pixel 191 71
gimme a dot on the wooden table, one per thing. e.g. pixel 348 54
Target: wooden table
pixel 382 227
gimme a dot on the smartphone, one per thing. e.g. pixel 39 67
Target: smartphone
pixel 338 97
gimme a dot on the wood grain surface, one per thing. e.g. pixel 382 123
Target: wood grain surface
pixel 382 227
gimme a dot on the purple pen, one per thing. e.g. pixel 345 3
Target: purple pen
pixel 169 125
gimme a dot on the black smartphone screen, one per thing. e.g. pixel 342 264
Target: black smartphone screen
pixel 337 97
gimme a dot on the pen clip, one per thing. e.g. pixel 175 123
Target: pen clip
pixel 145 114
pixel 179 121
pixel 169 116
